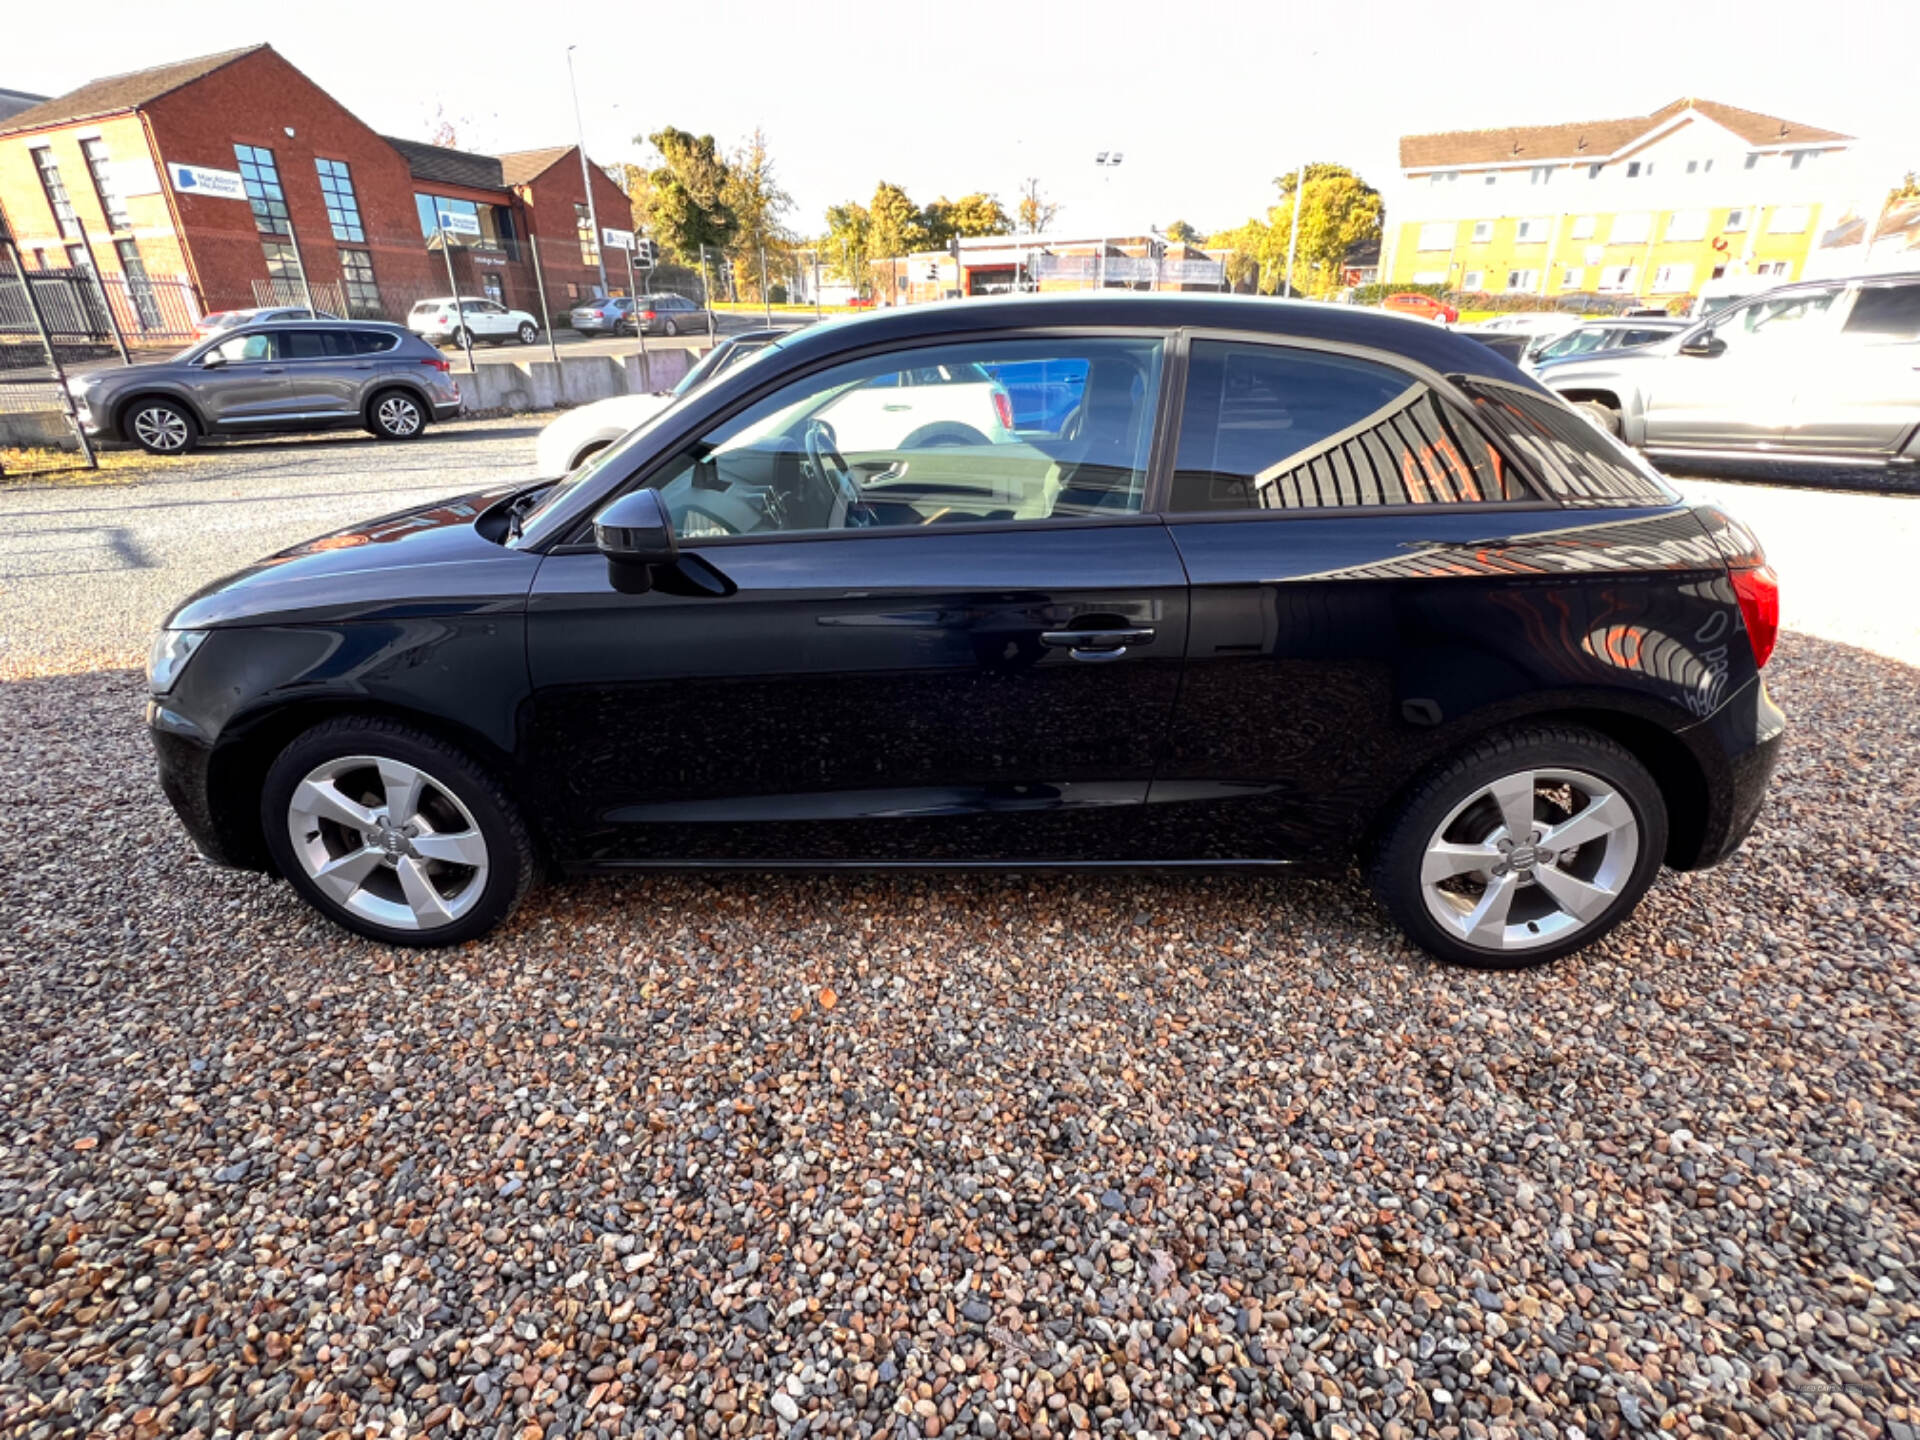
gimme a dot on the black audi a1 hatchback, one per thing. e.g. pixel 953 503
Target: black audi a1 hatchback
pixel 1079 582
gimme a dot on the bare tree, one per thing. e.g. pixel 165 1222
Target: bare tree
pixel 1035 213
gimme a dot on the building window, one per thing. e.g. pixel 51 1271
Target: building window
pixel 1532 232
pixel 1443 177
pixel 1593 171
pixel 1787 220
pixel 1437 235
pixel 1540 175
pixel 589 242
pixel 356 278
pixel 262 179
pixel 1523 280
pixel 1804 157
pixel 282 262
pixel 1482 231
pixel 1772 268
pixel 1491 177
pixel 1753 158
pixel 1582 227
pixel 101 167
pixel 1632 229
pixel 1633 169
pixel 490 282
pixel 1429 277
pixel 1687 225
pixel 1572 278
pixel 146 304
pixel 1736 220
pixel 1617 279
pixel 343 208
pixel 1473 280
pixel 56 189
pixel 77 258
pixel 1672 279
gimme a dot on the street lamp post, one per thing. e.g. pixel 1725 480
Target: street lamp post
pixel 1293 230
pixel 586 179
pixel 1108 161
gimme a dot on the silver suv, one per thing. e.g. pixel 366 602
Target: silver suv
pixel 1824 372
pixel 269 379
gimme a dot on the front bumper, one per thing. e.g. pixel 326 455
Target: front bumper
pixel 185 763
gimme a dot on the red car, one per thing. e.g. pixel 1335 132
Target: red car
pixel 1424 307
pixel 860 302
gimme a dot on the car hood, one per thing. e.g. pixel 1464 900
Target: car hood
pixel 1607 365
pixel 121 375
pixel 428 560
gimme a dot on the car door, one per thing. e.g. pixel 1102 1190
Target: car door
pixel 1860 393
pixel 325 372
pixel 869 653
pixel 248 383
pixel 1738 393
pixel 1368 569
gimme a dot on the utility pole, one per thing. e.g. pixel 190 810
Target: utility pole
pixel 1293 230
pixel 586 179
pixel 1108 161
pixel 459 305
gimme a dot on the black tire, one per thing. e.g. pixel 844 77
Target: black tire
pixel 160 427
pixel 529 333
pixel 511 865
pixel 673 327
pixel 397 414
pixel 460 339
pixel 1602 415
pixel 1397 864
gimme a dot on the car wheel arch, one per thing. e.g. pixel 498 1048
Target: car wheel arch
pixel 251 742
pixel 386 387
pixel 123 409
pixel 1674 765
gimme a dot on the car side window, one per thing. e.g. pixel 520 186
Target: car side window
pixel 314 344
pixel 852 447
pixel 1567 453
pixel 242 348
pixel 373 342
pixel 1268 427
pixel 1774 318
pixel 1886 312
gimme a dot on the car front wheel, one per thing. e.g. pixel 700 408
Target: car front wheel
pixel 1529 846
pixel 161 427
pixel 394 834
pixel 528 334
pixel 673 327
pixel 1603 416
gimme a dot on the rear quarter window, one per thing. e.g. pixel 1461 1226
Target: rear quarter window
pixel 1570 456
pixel 1268 427
pixel 1888 311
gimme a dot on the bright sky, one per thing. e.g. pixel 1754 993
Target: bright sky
pixel 1207 102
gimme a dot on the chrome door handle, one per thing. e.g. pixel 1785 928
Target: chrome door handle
pixel 1094 644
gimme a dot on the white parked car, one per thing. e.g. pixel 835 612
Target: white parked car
pixel 923 408
pixel 485 321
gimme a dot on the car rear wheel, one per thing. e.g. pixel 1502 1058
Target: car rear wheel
pixel 161 427
pixel 673 327
pixel 1530 846
pixel 1601 415
pixel 461 337
pixel 396 415
pixel 394 834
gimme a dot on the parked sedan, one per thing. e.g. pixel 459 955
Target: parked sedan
pixel 1290 584
pixel 1598 337
pixel 272 379
pixel 604 315
pixel 669 315
pixel 582 433
pixel 1421 307
pixel 1824 372
pixel 455 323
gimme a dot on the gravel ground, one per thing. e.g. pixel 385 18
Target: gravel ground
pixel 975 1155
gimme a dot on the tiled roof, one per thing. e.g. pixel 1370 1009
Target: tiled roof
pixel 1593 138
pixel 113 94
pixel 448 167
pixel 522 167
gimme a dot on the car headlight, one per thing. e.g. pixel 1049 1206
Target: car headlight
pixel 172 649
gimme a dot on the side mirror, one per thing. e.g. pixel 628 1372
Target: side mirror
pixel 635 533
pixel 212 360
pixel 1706 345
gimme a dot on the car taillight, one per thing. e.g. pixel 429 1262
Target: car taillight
pixel 596 315
pixel 1758 590
pixel 443 366
pixel 647 316
pixel 1003 407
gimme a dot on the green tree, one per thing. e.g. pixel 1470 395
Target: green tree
pixel 758 205
pixel 1035 212
pixel 1338 210
pixel 1181 233
pixel 689 195
pixel 894 226
pixel 1247 249
pixel 975 214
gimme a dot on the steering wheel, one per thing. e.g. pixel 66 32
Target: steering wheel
pixel 830 469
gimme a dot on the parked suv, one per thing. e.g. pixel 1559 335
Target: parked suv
pixel 1824 372
pixel 453 323
pixel 1288 584
pixel 269 379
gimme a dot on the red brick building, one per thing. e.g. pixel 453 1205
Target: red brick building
pixel 357 212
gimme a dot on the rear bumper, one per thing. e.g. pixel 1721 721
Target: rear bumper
pixel 1740 745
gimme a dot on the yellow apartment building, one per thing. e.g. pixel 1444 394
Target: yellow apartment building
pixel 1651 206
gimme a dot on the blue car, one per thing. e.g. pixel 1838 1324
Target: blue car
pixel 1044 392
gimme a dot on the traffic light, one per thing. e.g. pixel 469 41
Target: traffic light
pixel 643 252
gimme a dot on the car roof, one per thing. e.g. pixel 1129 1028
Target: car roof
pixel 1418 340
pixel 1635 322
pixel 322 321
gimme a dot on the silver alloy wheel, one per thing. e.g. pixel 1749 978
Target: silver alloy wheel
pixel 388 842
pixel 160 428
pixel 1530 859
pixel 398 415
